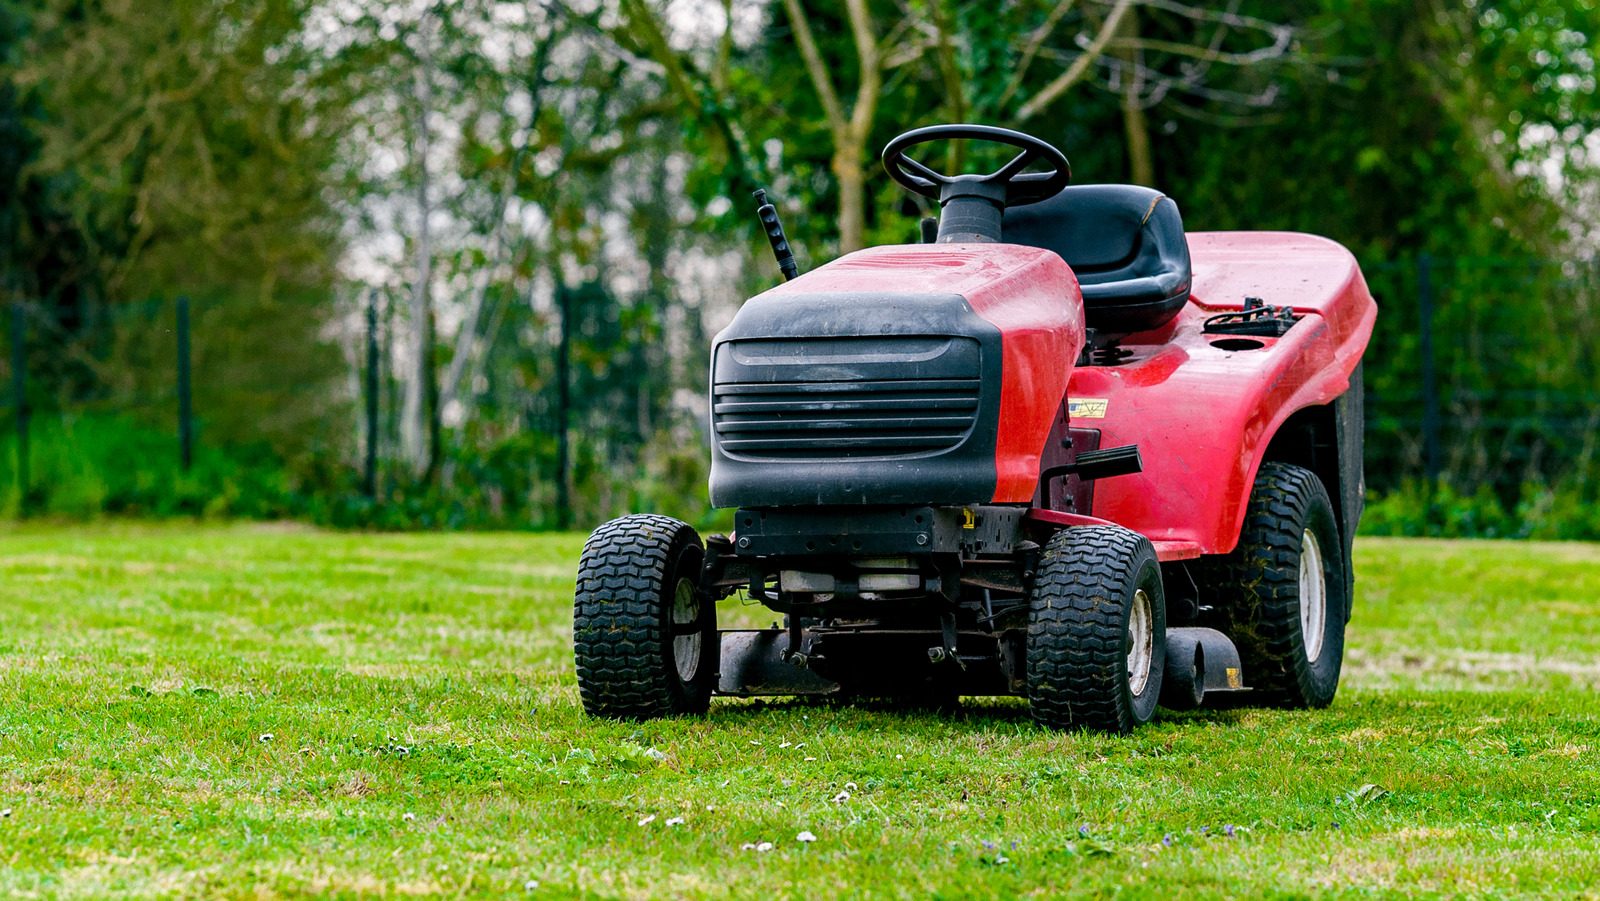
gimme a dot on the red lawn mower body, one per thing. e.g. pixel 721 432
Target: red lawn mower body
pixel 1065 451
pixel 1205 411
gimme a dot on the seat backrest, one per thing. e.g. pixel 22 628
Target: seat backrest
pixel 1124 242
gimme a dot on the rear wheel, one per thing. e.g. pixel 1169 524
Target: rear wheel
pixel 1280 594
pixel 1097 626
pixel 644 634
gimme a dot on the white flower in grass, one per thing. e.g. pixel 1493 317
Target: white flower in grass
pixel 408 816
pixel 764 847
pixel 648 820
pixel 266 736
pixel 675 821
pixel 841 797
pixel 805 837
pixel 747 846
pixel 531 884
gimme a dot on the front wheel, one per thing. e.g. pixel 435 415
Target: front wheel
pixel 644 635
pixel 1097 627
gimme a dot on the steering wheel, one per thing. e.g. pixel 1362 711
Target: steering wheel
pixel 1006 186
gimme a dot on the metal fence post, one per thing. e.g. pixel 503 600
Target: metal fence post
pixel 563 405
pixel 185 400
pixel 1430 379
pixel 19 394
pixel 371 474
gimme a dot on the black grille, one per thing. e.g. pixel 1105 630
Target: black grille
pixel 844 419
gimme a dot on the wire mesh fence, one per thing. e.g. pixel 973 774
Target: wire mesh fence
pixel 1482 380
pixel 1482 373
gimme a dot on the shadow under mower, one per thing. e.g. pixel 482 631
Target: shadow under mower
pixel 1060 450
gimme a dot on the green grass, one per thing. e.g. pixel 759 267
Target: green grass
pixel 274 712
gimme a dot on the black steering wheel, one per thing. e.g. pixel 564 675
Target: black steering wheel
pixel 1006 186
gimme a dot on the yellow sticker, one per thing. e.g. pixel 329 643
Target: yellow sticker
pixel 968 521
pixel 1087 408
pixel 1233 677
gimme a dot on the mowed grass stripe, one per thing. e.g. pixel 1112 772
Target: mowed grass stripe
pixel 253 711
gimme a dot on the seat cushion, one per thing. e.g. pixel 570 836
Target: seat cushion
pixel 1124 242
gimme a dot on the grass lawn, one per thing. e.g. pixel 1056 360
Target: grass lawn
pixel 273 712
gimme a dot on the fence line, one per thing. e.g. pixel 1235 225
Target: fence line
pixel 1480 370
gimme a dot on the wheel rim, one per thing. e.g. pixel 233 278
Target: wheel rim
pixel 1141 642
pixel 1313 596
pixel 686 637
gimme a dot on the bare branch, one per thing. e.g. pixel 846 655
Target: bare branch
pixel 724 58
pixel 655 38
pixel 1276 51
pixel 1035 41
pixel 1080 66
pixel 871 72
pixel 807 44
pixel 1200 14
pixel 954 84
pixel 469 326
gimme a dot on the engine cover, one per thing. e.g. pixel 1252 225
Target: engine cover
pixel 919 374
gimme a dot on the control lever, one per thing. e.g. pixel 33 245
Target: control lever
pixel 1099 464
pixel 768 215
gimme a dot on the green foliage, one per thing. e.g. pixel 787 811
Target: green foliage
pixel 208 166
pixel 1569 510
pixel 79 470
pixel 247 140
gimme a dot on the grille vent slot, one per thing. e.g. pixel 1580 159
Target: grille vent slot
pixel 836 416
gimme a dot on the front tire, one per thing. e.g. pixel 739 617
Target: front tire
pixel 644 634
pixel 1097 628
pixel 1280 595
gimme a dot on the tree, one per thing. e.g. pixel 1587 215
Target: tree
pixel 851 129
pixel 210 170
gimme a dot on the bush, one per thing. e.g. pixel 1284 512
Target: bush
pixel 1569 510
pixel 84 467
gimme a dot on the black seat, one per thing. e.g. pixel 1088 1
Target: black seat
pixel 1124 242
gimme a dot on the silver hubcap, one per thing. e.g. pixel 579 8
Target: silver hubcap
pixel 686 639
pixel 1141 642
pixel 1313 596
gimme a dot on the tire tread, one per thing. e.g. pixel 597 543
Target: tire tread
pixel 1076 635
pixel 1258 588
pixel 618 636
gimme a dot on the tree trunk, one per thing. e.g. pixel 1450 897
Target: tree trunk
pixel 413 436
pixel 852 176
pixel 1141 165
pixel 435 414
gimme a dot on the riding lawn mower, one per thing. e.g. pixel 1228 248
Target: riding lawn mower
pixel 1059 450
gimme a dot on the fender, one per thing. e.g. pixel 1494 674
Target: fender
pixel 1203 408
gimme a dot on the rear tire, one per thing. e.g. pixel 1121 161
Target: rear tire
pixel 1097 629
pixel 1281 594
pixel 644 635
